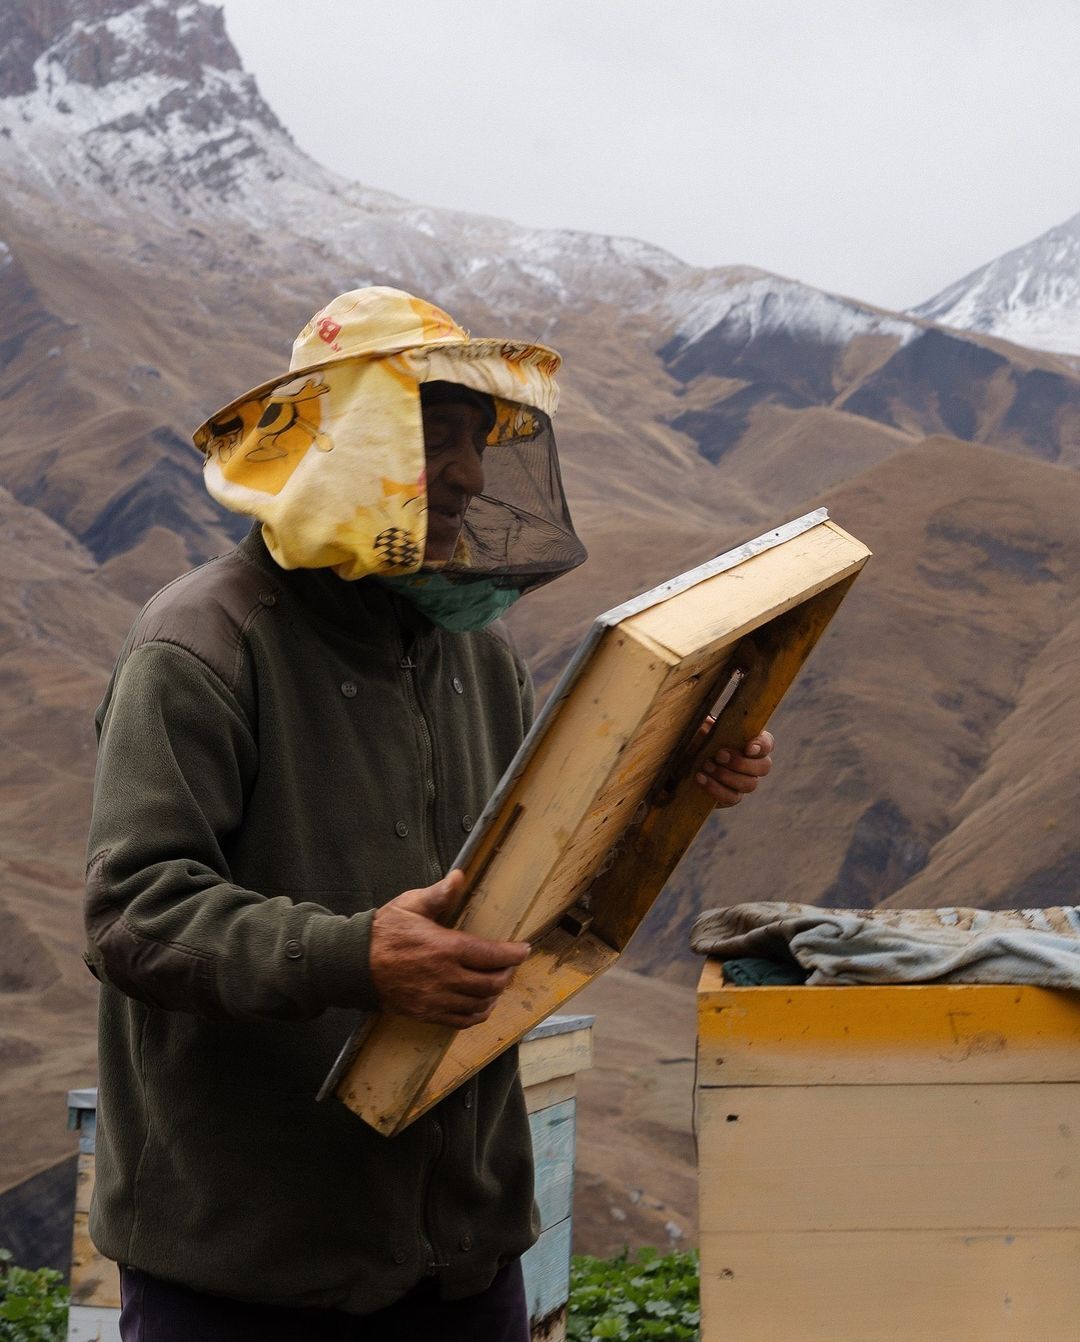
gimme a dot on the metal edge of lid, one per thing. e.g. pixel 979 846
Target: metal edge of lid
pixel 729 560
pixel 556 1025
pixel 344 1060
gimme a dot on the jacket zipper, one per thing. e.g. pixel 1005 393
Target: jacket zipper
pixel 434 1264
pixel 409 666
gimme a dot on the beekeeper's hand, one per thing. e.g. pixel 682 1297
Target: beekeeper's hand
pixel 730 775
pixel 433 973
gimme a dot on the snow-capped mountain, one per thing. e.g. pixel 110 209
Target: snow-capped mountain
pixel 131 127
pixel 1030 295
pixel 145 103
pixel 753 302
pixel 125 104
pixel 118 105
pixel 743 307
pixel 130 96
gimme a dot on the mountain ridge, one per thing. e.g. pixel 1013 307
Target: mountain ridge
pixel 700 407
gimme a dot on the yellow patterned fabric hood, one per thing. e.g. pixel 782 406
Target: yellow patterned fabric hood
pixel 330 457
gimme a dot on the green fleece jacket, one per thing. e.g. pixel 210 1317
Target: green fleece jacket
pixel 280 753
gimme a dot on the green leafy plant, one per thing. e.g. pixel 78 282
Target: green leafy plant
pixel 33 1305
pixel 634 1299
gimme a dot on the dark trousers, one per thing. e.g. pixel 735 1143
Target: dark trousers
pixel 159 1311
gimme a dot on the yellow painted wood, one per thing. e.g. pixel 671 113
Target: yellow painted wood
pixel 888 1163
pixel 768 660
pixel 800 1158
pixel 867 1035
pixel 891 1286
pixel 575 785
pixel 94 1279
pixel 588 833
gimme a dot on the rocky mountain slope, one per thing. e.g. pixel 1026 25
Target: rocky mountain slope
pixel 161 240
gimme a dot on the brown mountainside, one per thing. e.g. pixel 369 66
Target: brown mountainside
pixel 926 754
pixel 60 626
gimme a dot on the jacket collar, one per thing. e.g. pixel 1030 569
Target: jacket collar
pixel 362 609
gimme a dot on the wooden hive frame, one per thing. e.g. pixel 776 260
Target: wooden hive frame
pixel 599 804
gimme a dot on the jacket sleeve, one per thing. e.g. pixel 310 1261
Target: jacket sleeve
pixel 500 631
pixel 165 923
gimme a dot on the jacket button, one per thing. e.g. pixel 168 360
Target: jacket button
pixel 268 598
pixel 294 950
pixel 459 688
pixel 400 1255
pixel 467 823
pixel 348 689
pixel 401 829
pixel 466 1242
pixel 468 1099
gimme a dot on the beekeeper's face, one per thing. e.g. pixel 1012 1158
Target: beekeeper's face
pixel 455 434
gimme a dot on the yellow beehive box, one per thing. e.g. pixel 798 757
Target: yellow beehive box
pixel 886 1163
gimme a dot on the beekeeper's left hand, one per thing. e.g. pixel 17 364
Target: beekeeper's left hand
pixel 730 775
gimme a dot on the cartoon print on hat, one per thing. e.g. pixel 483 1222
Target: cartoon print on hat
pixel 327 462
pixel 276 434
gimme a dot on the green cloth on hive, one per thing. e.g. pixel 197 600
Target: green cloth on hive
pixel 753 972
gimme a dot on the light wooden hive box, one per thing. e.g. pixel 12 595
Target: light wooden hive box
pixel 888 1163
pixel 551 1057
pixel 600 802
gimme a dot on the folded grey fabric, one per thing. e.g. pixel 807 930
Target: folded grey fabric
pixel 1032 946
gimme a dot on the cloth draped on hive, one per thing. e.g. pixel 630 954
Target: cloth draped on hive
pixel 1040 947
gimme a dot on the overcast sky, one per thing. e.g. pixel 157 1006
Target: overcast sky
pixel 874 148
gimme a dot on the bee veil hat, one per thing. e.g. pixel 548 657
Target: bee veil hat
pixel 330 456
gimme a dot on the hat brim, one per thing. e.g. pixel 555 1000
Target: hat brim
pixel 464 355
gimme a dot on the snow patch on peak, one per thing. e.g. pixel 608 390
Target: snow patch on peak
pixel 151 36
pixel 750 303
pixel 1030 295
pixel 147 100
pixel 88 111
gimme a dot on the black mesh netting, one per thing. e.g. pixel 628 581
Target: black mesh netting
pixel 518 532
